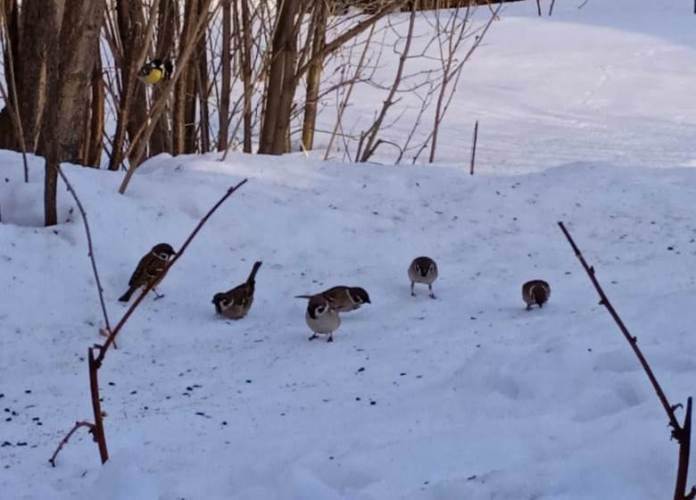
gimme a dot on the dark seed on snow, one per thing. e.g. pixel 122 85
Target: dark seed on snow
pixel 134 392
pixel 28 391
pixel 21 443
pixel 361 369
pixel 373 403
pixel 248 381
pixel 111 383
pixel 5 443
pixel 357 398
pixel 224 422
pixel 200 413
pixel 402 374
pixel 189 388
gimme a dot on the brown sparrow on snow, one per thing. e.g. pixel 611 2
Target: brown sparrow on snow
pixel 321 317
pixel 343 298
pixel 536 292
pixel 423 270
pixel 150 269
pixel 235 303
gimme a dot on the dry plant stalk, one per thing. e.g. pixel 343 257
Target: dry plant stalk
pixel 682 433
pixel 96 362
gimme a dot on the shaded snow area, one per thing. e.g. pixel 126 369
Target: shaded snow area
pixel 590 116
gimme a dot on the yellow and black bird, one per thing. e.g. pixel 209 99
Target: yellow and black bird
pixel 235 303
pixel 155 71
pixel 150 269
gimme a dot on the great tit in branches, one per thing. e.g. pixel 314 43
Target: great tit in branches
pixel 155 71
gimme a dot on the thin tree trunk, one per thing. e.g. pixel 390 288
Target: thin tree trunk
pixel 226 87
pixel 276 119
pixel 95 145
pixel 167 27
pixel 71 54
pixel 247 75
pixel 314 75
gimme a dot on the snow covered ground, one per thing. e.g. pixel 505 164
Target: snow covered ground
pixel 465 397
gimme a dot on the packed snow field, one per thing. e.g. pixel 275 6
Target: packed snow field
pixel 467 396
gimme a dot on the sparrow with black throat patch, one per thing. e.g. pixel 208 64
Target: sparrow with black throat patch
pixel 150 270
pixel 423 270
pixel 536 292
pixel 321 317
pixel 235 303
pixel 343 298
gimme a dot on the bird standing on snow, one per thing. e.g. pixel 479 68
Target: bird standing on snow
pixel 235 303
pixel 536 292
pixel 150 269
pixel 321 317
pixel 343 298
pixel 155 71
pixel 423 270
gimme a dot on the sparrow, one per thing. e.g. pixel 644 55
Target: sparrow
pixel 423 270
pixel 235 303
pixel 155 71
pixel 536 292
pixel 150 269
pixel 321 317
pixel 343 298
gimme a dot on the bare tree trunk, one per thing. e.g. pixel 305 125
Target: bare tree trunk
pixel 71 42
pixel 184 101
pixel 276 120
pixel 314 74
pixel 201 86
pixel 95 145
pixel 247 75
pixel 226 87
pixel 31 63
pixel 167 27
pixel 132 105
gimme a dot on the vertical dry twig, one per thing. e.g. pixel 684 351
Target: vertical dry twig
pixel 473 149
pixel 682 433
pixel 95 362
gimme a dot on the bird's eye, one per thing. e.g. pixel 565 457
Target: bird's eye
pixel 321 309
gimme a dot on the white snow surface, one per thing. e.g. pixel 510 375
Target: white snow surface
pixel 590 117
